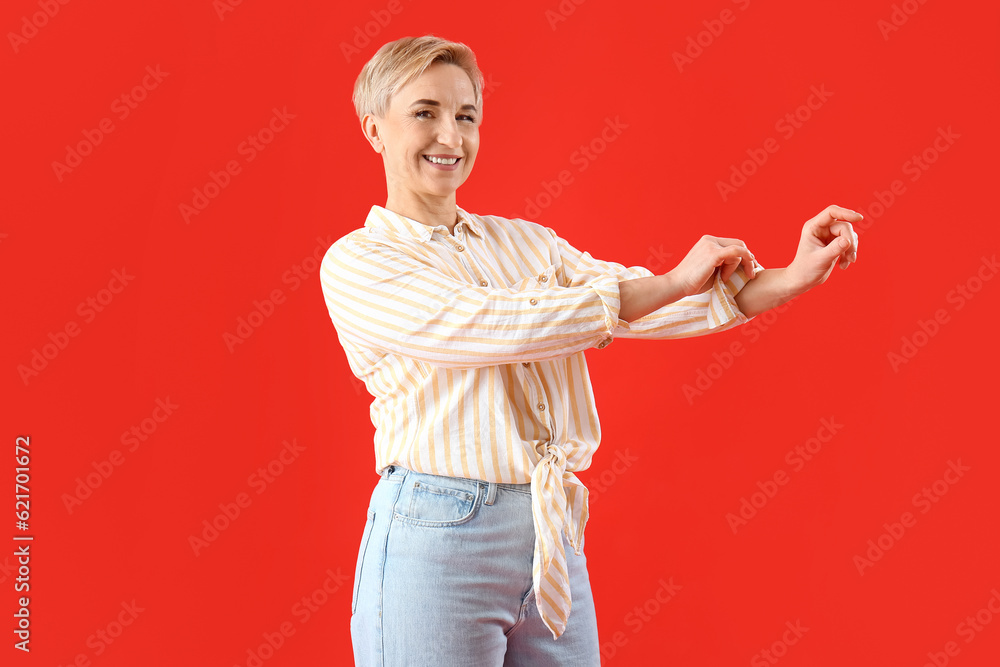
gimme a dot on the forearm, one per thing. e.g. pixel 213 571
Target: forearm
pixel 641 296
pixel 769 289
pixel 828 239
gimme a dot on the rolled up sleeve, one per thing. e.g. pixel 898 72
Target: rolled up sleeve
pixel 383 299
pixel 712 311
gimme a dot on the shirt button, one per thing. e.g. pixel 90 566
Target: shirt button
pixel 533 302
pixel 460 248
pixel 483 283
pixel 543 278
pixel 524 363
pixel 604 343
pixel 541 406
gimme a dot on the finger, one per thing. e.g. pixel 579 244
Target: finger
pixel 728 242
pixel 748 260
pixel 833 213
pixel 734 256
pixel 836 251
pixel 844 230
pixel 850 255
pixel 729 267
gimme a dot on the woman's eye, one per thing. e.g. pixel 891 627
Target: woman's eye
pixel 471 119
pixel 423 114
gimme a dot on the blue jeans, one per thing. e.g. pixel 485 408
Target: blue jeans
pixel 444 578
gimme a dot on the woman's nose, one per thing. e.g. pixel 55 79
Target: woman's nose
pixel 448 134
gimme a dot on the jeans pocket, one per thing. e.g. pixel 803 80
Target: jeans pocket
pixel 437 506
pixel 365 537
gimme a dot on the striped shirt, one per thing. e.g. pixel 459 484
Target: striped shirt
pixel 472 344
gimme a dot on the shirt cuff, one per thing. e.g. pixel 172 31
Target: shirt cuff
pixel 607 289
pixel 722 308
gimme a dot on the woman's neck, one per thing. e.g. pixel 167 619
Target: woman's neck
pixel 429 211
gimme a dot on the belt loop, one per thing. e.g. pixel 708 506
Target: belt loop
pixel 491 493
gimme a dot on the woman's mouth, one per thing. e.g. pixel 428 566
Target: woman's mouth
pixel 445 162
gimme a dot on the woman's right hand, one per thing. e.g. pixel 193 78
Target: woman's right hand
pixel 696 272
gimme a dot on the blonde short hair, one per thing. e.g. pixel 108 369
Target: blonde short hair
pixel 400 62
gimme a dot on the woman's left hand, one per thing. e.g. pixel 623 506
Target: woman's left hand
pixel 827 239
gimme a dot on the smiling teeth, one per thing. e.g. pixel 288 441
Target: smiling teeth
pixel 442 160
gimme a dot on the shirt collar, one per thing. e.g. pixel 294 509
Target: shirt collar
pixel 383 219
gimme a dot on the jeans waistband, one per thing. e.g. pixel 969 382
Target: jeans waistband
pixel 396 472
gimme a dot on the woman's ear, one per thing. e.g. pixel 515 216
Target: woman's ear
pixel 370 126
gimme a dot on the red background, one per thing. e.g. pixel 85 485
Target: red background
pixel 645 199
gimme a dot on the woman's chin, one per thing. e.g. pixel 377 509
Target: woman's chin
pixel 440 189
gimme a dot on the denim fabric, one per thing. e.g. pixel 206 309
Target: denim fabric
pixel 444 578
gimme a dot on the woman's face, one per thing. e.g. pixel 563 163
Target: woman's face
pixel 430 135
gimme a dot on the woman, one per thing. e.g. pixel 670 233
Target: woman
pixel 469 331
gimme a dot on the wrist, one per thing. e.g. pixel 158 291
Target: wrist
pixel 769 289
pixel 793 282
pixel 670 287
